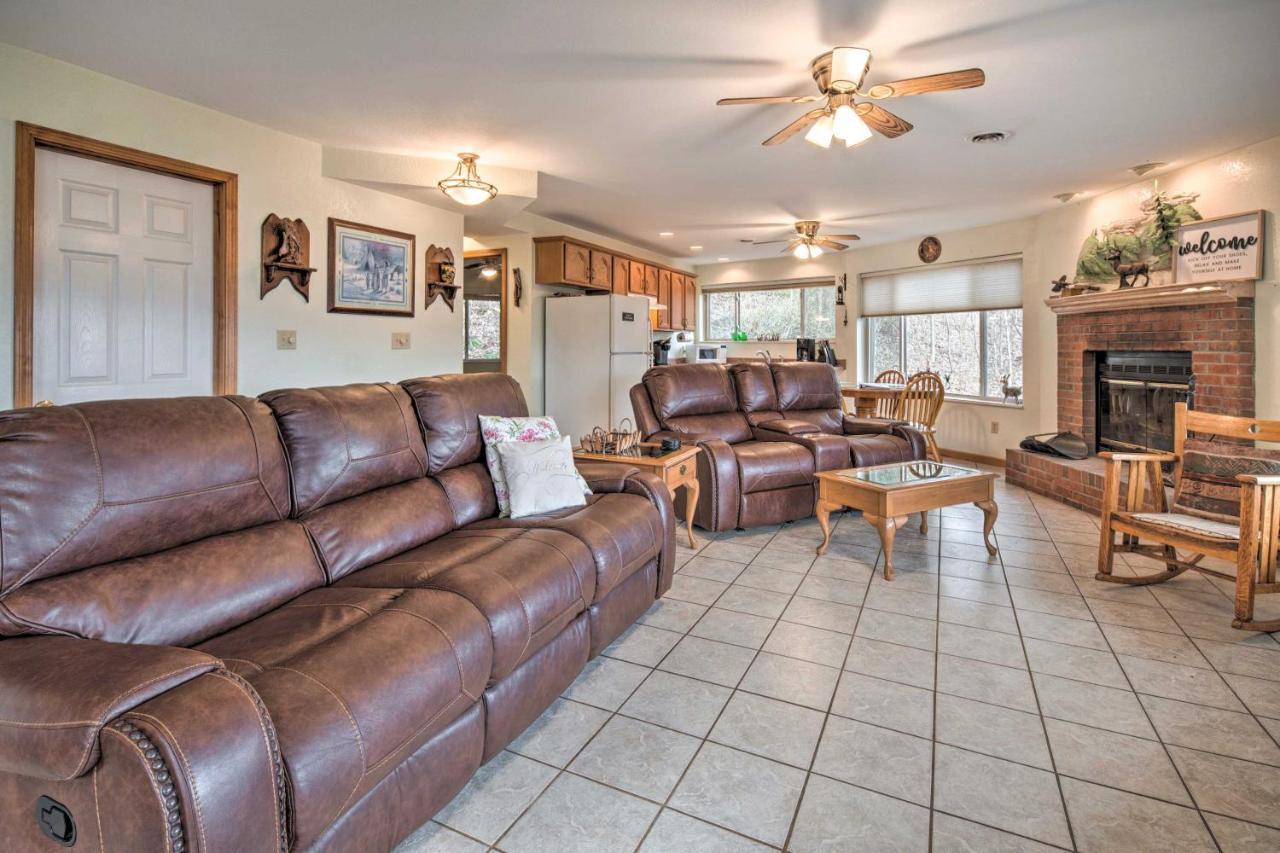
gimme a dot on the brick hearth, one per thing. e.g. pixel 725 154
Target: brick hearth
pixel 1220 338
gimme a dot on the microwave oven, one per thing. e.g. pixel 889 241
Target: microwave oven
pixel 703 353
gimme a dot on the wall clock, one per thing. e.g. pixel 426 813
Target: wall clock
pixel 930 249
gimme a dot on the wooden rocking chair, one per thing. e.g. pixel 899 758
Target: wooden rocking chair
pixel 1225 505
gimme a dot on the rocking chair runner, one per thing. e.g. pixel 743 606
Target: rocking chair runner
pixel 1225 505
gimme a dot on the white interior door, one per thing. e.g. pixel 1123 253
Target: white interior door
pixel 123 282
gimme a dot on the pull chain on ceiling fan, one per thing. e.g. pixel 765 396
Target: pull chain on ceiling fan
pixel 839 75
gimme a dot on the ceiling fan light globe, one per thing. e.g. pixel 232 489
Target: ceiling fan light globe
pixel 821 132
pixel 848 127
pixel 848 67
pixel 470 196
pixel 465 186
pixel 807 251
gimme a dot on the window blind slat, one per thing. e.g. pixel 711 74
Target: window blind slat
pixel 984 286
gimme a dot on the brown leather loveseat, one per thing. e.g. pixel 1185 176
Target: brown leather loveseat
pixel 288 623
pixel 764 430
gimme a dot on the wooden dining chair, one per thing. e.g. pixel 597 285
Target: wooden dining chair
pixel 918 405
pixel 886 406
pixel 1226 504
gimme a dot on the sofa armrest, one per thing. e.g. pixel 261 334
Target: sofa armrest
pixel 58 693
pixel 789 426
pixel 869 426
pixel 605 477
pixel 830 452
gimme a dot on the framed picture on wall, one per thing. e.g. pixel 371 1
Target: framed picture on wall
pixel 370 270
pixel 1225 248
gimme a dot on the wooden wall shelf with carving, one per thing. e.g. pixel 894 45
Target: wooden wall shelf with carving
pixel 441 276
pixel 286 251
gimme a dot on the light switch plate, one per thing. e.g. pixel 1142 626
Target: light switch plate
pixel 286 338
pixel 399 340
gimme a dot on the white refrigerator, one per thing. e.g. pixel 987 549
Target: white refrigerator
pixel 596 348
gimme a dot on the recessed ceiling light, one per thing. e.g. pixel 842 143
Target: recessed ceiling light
pixel 695 248
pixel 666 233
pixel 1142 168
pixel 990 137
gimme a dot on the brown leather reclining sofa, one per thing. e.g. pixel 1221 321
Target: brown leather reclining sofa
pixel 764 430
pixel 291 623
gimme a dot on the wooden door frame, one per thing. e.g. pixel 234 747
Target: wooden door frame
pixel 225 210
pixel 502 303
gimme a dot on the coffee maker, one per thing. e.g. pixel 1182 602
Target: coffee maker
pixel 661 352
pixel 826 353
pixel 806 349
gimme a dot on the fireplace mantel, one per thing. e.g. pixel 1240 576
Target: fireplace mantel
pixel 1164 296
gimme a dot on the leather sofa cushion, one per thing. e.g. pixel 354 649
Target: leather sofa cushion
pixel 726 426
pixel 528 583
pixel 174 598
pixel 97 482
pixel 753 383
pixel 347 440
pixel 622 531
pixel 806 385
pixel 824 420
pixel 767 465
pixel 449 409
pixel 364 530
pixel 689 389
pixel 355 680
pixel 469 489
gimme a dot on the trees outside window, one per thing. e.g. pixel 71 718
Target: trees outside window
pixel 970 350
pixel 484 323
pixel 769 313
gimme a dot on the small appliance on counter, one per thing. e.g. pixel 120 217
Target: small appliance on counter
pixel 704 353
pixel 661 352
pixel 681 347
pixel 826 353
pixel 806 349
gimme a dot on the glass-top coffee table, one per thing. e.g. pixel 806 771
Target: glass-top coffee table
pixel 889 494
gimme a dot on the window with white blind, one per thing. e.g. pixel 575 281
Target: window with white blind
pixel 781 311
pixel 961 321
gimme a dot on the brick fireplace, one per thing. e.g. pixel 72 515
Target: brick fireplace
pixel 1216 326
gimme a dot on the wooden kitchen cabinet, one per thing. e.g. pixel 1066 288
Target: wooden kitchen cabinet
pixel 601 270
pixel 562 261
pixel 621 274
pixel 690 319
pixel 635 283
pixel 651 281
pixel 676 303
pixel 664 298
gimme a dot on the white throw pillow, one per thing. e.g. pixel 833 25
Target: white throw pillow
pixel 496 430
pixel 540 475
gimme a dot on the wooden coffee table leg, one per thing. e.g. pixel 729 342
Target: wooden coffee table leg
pixel 924 522
pixel 887 527
pixel 691 492
pixel 989 513
pixel 823 509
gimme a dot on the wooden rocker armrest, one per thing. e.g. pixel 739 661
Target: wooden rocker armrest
pixel 1112 456
pixel 1265 480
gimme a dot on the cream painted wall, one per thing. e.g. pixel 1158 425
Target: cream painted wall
pixel 277 173
pixel 1244 179
pixel 525 324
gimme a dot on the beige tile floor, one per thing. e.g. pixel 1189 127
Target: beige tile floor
pixel 774 700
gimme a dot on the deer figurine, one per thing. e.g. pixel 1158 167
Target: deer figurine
pixel 1007 390
pixel 1129 272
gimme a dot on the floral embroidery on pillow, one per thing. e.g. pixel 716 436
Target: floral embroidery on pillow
pixel 497 430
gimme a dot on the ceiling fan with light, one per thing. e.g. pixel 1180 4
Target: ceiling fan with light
pixel 839 74
pixel 808 243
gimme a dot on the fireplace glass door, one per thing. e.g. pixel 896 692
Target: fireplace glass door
pixel 1136 394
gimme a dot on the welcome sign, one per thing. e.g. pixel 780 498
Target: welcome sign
pixel 1228 248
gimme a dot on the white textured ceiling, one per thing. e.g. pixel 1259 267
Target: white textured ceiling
pixel 614 102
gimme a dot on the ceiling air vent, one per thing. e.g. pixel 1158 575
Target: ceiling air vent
pixel 991 137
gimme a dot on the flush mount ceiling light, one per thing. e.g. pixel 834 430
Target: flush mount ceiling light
pixel 1065 197
pixel 839 75
pixel 488 271
pixel 464 185
pixel 1142 168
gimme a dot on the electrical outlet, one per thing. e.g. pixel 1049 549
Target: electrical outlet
pixel 995 427
pixel 286 338
pixel 399 340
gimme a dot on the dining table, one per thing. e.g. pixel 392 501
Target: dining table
pixel 866 396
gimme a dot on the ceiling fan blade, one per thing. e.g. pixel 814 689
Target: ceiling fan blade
pixel 842 236
pixel 795 127
pixel 791 246
pixel 878 118
pixel 968 79
pixel 772 99
pixel 830 244
pixel 767 242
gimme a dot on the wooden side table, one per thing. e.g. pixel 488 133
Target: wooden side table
pixel 677 469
